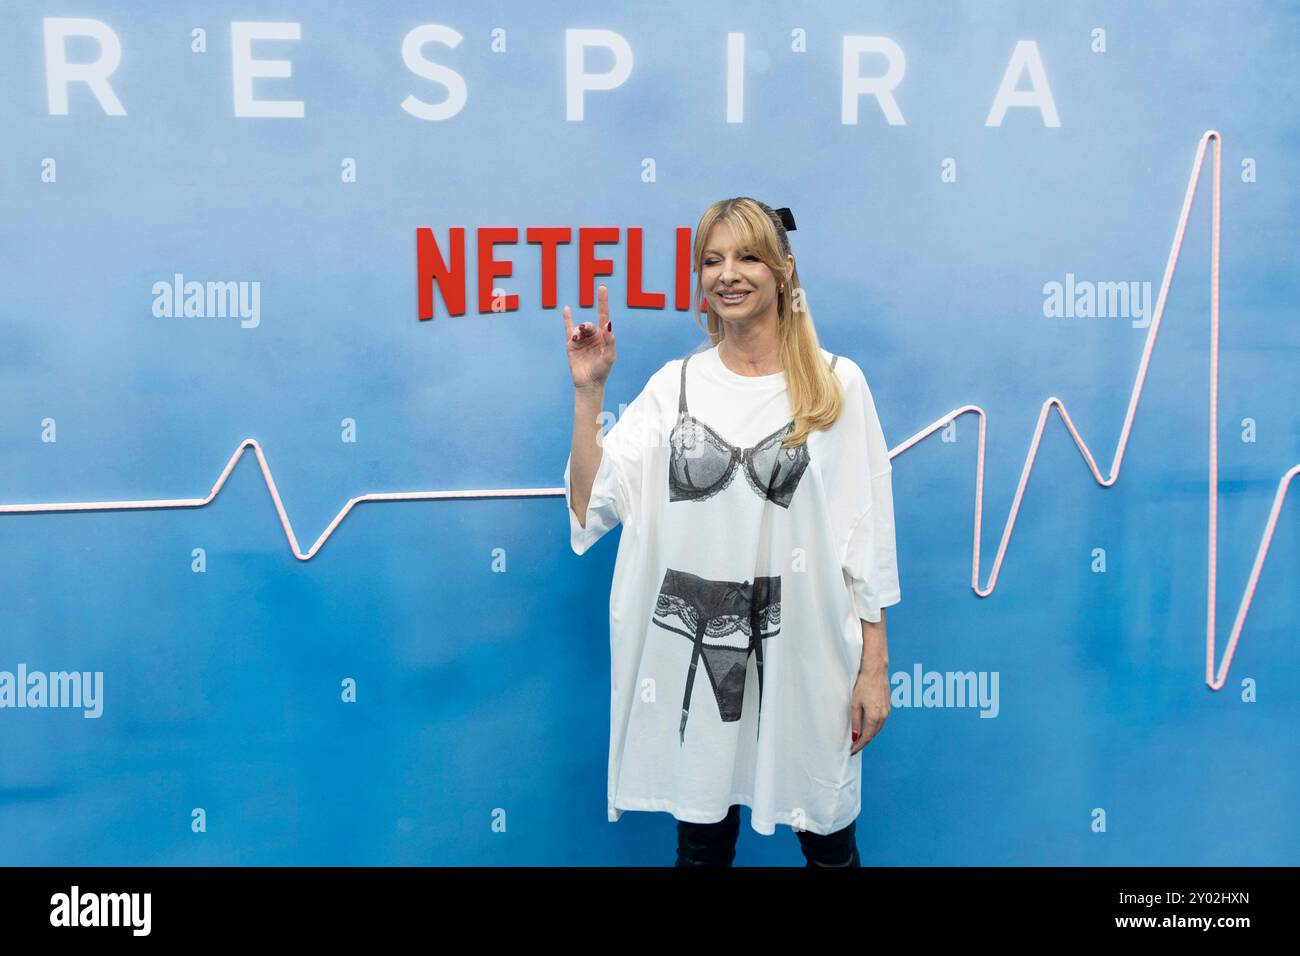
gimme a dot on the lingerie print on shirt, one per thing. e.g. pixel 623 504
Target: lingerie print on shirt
pixel 734 618
pixel 702 462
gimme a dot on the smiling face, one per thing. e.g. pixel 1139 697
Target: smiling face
pixel 725 269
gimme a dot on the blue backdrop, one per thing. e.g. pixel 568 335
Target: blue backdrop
pixel 477 641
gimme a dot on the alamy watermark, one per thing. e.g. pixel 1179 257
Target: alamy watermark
pixel 922 688
pixel 1082 299
pixel 82 690
pixel 209 300
pixel 75 908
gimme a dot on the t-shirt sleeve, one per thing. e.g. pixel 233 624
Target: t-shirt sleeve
pixel 868 554
pixel 616 491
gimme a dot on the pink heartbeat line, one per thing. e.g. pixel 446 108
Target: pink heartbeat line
pixel 275 497
pixel 1267 537
pixel 1054 402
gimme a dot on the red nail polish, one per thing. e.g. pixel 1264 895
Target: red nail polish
pixel 856 735
pixel 609 326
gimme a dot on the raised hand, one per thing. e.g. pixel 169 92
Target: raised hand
pixel 591 348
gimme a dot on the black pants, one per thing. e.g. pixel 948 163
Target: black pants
pixel 714 844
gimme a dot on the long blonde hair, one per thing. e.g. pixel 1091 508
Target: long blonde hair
pixel 815 393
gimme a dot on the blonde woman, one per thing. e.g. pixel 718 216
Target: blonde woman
pixel 747 625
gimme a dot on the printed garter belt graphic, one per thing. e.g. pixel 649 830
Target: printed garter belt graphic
pixel 726 621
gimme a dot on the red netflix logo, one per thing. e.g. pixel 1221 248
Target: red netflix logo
pixel 433 268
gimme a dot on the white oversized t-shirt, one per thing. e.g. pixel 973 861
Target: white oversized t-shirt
pixel 741 574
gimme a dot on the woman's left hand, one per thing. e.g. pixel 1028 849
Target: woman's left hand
pixel 869 707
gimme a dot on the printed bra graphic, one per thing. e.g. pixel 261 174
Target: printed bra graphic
pixel 702 462
pixel 726 621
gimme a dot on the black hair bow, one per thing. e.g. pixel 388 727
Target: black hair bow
pixel 787 218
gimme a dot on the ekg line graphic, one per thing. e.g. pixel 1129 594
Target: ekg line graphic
pixel 1053 402
pixel 275 497
pixel 1214 682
